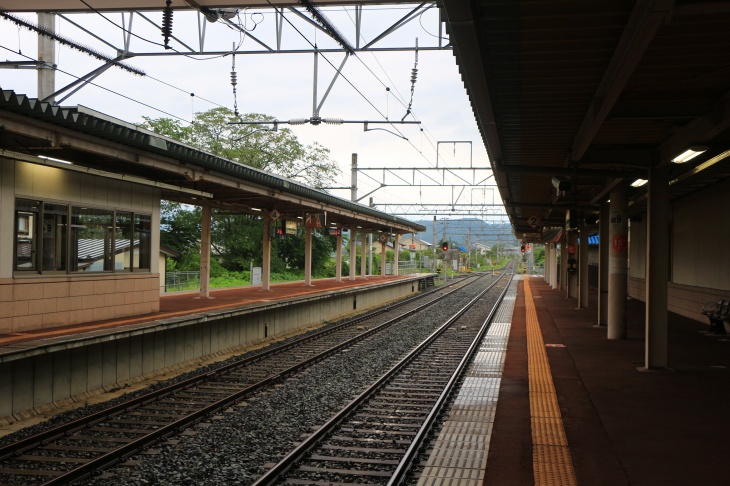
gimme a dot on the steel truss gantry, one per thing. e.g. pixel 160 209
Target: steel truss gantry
pixel 286 19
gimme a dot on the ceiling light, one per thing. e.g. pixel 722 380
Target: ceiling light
pixel 55 160
pixel 689 154
pixel 639 182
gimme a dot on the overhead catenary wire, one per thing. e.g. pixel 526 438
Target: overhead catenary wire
pixel 101 87
pixel 425 133
pixel 354 87
pixel 430 138
pixel 127 31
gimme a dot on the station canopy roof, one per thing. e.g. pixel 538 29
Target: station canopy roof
pixel 45 133
pixel 573 98
pixel 576 98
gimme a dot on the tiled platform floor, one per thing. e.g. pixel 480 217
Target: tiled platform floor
pixel 623 426
pixel 459 454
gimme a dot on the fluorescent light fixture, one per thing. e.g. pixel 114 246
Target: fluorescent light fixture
pixel 55 160
pixel 689 154
pixel 639 182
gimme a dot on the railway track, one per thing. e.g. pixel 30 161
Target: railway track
pixel 86 446
pixel 376 438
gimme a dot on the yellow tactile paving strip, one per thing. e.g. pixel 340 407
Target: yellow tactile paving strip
pixel 551 456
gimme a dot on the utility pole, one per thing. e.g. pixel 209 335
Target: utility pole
pixel 47 57
pixel 370 246
pixel 353 179
pixel 468 252
pixel 433 260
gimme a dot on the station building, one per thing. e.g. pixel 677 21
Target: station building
pixel 80 204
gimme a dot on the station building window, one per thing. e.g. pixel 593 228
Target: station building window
pixel 55 238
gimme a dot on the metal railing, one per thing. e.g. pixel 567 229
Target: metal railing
pixel 178 281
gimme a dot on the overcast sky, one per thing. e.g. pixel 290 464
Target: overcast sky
pixel 281 85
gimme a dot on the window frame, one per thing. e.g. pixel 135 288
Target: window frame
pixel 70 256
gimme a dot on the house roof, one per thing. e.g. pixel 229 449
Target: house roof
pixel 413 238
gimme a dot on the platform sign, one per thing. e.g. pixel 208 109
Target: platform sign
pixel 290 227
pixel 382 237
pixel 534 221
pixel 274 215
pixel 256 276
pixel 314 220
pixel 620 243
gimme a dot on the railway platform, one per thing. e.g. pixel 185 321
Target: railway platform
pixel 175 305
pixel 52 368
pixel 620 425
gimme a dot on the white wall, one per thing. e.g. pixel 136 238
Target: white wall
pixel 700 253
pixel 701 232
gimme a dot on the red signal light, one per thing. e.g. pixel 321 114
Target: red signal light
pixel 522 248
pixel 445 246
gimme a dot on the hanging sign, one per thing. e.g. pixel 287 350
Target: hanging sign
pixel 290 226
pixel 314 220
pixel 274 215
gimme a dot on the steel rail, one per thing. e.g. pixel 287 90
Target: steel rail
pixel 303 449
pixel 404 466
pixel 27 443
pixel 121 453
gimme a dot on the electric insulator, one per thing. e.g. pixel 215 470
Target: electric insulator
pixel 167 23
pixel 414 75
pixel 333 121
pixel 234 78
pixel 298 121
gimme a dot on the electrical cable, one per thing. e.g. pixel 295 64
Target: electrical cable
pixel 101 87
pixel 125 30
pixel 430 138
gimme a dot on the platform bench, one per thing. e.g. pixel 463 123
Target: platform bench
pixel 718 313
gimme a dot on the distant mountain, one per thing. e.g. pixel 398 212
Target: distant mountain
pixel 476 230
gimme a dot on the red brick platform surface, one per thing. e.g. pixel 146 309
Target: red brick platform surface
pixel 624 427
pixel 180 304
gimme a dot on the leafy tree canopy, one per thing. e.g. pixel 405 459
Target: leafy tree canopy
pixel 237 239
pixel 279 152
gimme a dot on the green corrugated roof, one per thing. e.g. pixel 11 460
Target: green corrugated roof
pixel 90 122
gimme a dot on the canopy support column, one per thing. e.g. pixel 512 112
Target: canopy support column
pixel 363 259
pixel 617 264
pixel 308 256
pixel 353 253
pixel 205 252
pixel 338 271
pixel 657 273
pixel 266 256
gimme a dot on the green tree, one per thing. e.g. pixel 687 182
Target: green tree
pixel 278 151
pixel 179 226
pixel 237 239
pixel 290 250
pixel 538 254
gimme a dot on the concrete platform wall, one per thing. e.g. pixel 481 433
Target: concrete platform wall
pixel 39 379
